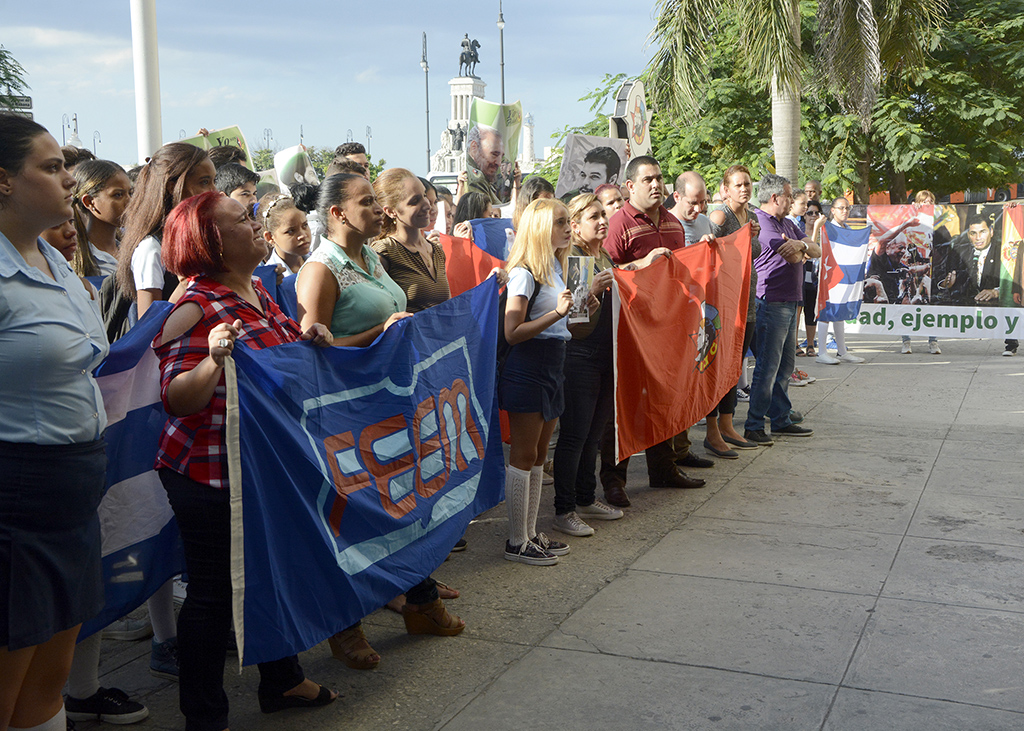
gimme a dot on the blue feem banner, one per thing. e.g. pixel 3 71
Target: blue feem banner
pixel 359 469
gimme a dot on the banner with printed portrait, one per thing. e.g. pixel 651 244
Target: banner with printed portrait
pixel 943 270
pixel 589 162
pixel 492 145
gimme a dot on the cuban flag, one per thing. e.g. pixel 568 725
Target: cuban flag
pixel 141 546
pixel 353 471
pixel 493 235
pixel 844 257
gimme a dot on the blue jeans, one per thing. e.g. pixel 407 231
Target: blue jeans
pixel 775 333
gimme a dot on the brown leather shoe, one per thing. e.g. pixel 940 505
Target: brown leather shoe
pixel 680 481
pixel 616 495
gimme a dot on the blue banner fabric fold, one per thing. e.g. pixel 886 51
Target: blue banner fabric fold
pixel 493 235
pixel 360 469
pixel 141 546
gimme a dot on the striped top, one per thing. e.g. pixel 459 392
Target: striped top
pixel 410 273
pixel 632 234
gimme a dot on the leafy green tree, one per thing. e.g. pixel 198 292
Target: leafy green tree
pixel 263 158
pixel 855 42
pixel 12 78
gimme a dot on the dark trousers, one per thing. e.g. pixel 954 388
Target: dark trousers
pixel 204 519
pixel 661 459
pixel 589 405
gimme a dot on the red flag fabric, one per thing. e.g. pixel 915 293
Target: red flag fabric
pixel 466 264
pixel 679 337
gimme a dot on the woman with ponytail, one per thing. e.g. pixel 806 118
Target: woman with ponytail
pixel 102 192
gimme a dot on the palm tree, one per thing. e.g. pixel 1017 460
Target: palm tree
pixel 856 42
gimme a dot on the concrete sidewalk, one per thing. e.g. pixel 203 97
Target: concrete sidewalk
pixel 869 577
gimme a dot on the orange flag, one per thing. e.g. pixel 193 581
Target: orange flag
pixel 679 336
pixel 466 264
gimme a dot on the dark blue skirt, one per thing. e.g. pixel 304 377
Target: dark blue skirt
pixel 531 381
pixel 50 574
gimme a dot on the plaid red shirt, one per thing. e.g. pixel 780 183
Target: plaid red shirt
pixel 194 445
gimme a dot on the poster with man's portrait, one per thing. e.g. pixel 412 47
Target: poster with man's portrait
pixel 899 264
pixel 492 145
pixel 968 263
pixel 588 163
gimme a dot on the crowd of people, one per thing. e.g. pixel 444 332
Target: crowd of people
pixel 87 248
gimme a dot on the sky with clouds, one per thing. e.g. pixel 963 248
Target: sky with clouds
pixel 322 65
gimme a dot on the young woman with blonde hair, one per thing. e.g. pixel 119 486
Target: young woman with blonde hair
pixel 530 381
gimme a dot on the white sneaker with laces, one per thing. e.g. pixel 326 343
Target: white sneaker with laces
pixel 933 348
pixel 599 511
pixel 795 380
pixel 825 358
pixel 571 525
pixel 1010 353
pixel 905 350
pixel 850 358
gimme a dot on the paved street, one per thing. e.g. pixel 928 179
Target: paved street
pixel 870 577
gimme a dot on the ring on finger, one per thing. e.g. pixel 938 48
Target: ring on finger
pixel 224 343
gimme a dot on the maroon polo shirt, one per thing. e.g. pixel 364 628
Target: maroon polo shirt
pixel 632 234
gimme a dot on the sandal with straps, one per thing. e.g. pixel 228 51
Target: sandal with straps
pixel 352 648
pixel 431 619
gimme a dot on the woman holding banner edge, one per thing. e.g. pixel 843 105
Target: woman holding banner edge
pixel 210 239
pixel 345 283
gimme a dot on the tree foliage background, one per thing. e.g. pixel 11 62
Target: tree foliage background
pixel 955 124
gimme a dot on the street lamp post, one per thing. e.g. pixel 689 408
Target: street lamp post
pixel 65 120
pixel 268 135
pixel 501 47
pixel 95 139
pixel 426 82
pixel 369 136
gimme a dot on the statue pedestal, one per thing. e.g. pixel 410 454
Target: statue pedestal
pixel 463 90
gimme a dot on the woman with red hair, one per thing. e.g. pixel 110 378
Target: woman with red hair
pixel 213 241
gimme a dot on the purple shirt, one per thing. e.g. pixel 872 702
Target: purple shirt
pixel 777 279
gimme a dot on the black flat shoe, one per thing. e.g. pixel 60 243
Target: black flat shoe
pixel 720 453
pixel 273 704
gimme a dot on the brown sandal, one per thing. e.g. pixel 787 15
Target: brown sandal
pixel 446 592
pixel 431 619
pixel 352 648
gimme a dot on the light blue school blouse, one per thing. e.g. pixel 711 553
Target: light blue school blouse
pixel 51 338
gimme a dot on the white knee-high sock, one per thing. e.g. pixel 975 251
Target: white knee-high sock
pixel 57 723
pixel 517 490
pixel 161 613
pixel 536 482
pixel 84 679
pixel 839 330
pixel 822 335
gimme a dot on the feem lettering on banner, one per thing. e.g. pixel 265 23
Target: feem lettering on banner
pixel 445 438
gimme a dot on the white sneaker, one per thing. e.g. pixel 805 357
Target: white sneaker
pixel 571 525
pixel 795 380
pixel 851 358
pixel 905 350
pixel 599 511
pixel 933 348
pixel 825 358
pixel 1010 352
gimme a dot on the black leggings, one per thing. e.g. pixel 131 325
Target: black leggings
pixel 728 403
